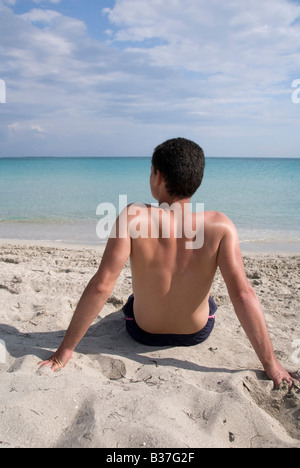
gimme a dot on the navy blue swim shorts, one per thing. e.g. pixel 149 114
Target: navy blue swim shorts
pixel 160 340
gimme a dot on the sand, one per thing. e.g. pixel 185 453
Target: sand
pixel 116 393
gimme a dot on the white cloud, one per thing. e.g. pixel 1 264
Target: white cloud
pixel 17 127
pixel 37 128
pixel 204 70
pixel 41 16
pixel 213 37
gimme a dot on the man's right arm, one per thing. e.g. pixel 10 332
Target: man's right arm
pixel 246 303
pixel 96 293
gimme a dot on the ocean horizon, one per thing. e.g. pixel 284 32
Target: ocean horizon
pixel 56 198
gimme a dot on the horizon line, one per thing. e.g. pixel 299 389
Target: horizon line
pixel 143 157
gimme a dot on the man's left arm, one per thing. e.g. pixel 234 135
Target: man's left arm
pixel 93 299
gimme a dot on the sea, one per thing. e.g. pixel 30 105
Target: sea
pixel 57 199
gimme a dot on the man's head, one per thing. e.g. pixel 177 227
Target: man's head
pixel 182 165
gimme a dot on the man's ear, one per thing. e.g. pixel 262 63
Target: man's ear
pixel 159 177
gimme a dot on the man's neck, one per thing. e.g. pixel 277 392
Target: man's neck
pixel 167 199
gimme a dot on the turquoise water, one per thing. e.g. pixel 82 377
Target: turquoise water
pixel 56 198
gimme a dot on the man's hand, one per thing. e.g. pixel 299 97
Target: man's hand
pixel 58 360
pixel 278 374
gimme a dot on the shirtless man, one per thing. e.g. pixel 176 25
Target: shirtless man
pixel 171 302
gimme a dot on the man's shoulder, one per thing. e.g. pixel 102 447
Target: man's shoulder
pixel 218 224
pixel 217 217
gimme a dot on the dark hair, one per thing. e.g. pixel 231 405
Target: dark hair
pixel 182 164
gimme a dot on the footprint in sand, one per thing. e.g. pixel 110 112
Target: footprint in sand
pixel 112 369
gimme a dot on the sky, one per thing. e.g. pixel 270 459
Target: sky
pixel 118 77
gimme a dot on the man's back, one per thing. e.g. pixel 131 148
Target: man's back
pixel 172 284
pixel 171 281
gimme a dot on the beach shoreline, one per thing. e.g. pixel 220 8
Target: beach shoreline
pixel 117 393
pixel 53 244
pixel 247 248
pixel 257 195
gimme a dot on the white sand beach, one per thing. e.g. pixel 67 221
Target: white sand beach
pixel 116 393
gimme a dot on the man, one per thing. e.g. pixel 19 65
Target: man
pixel 172 279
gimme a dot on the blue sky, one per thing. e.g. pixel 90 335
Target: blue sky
pixel 118 77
